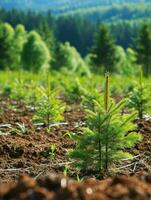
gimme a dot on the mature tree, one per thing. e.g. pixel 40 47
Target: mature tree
pixel 126 64
pixel 143 48
pixel 67 57
pixel 47 35
pixel 19 40
pixel 35 55
pixel 104 50
pixel 6 52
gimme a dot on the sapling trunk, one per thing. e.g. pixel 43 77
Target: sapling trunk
pixel 48 96
pixel 19 81
pixel 106 99
pixel 140 114
pixel 106 93
pixel 100 150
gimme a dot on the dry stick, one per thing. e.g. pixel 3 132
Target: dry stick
pixel 146 165
pixel 41 165
pixel 123 167
pixel 13 169
pixel 135 166
pixel 127 159
pixel 39 174
pixel 57 164
pixel 52 125
pixel 142 161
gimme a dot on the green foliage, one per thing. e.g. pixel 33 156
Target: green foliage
pixel 52 152
pixel 68 58
pixel 35 55
pixel 106 136
pixel 65 171
pixel 49 108
pixel 6 38
pixel 79 25
pixel 140 98
pixel 126 64
pixel 143 48
pixel 104 50
pixel 47 35
pixel 23 88
pixel 19 90
pixel 89 93
pixel 72 89
pixel 19 40
pixel 11 45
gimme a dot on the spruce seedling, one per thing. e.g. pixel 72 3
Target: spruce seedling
pixel 49 108
pixel 106 136
pixel 140 99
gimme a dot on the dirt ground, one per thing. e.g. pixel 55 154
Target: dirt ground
pixel 56 187
pixel 25 149
pixel 29 152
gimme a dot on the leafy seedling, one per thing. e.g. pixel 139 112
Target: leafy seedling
pixel 140 99
pixel 52 152
pixel 65 171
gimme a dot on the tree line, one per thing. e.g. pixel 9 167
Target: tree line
pixel 62 6
pixel 79 29
pixel 39 49
pixel 35 50
pixel 106 54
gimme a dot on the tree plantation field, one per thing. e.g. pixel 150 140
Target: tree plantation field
pixel 75 104
pixel 50 122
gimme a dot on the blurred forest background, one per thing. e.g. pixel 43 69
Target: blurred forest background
pixel 80 35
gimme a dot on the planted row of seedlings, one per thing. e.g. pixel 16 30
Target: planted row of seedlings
pixel 108 131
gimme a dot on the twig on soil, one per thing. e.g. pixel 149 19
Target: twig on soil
pixel 39 175
pixel 5 125
pixel 141 161
pixel 131 158
pixel 146 165
pixel 41 165
pixel 56 164
pixel 126 166
pixel 13 169
pixel 52 125
pixel 58 124
pixel 135 166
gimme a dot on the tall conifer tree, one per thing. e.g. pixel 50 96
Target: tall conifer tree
pixel 104 49
pixel 143 48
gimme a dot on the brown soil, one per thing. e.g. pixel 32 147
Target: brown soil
pixel 29 152
pixel 141 164
pixel 60 188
